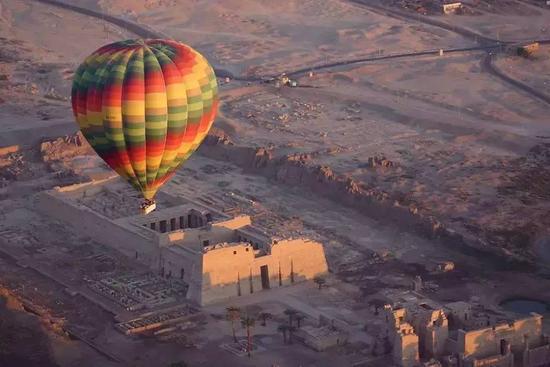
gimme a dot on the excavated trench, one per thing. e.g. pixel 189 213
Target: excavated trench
pixel 298 170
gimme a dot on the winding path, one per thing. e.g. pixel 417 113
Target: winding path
pixel 486 44
pixel 489 65
pixel 400 14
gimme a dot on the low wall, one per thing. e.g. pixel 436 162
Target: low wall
pixel 9 149
pixel 537 357
pixel 495 361
pixel 486 342
pixel 102 229
pixel 174 259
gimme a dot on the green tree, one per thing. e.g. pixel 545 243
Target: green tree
pixel 233 314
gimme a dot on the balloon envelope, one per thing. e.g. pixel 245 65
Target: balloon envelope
pixel 145 106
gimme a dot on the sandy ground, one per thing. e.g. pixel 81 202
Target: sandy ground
pixel 498 19
pixel 533 71
pixel 438 137
pixel 253 37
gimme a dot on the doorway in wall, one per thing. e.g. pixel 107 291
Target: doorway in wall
pixel 265 276
pixel 503 347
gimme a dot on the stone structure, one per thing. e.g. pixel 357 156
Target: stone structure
pixel 497 345
pixel 423 330
pixel 433 329
pixel 405 346
pixel 451 8
pixel 430 325
pixel 320 338
pixel 432 363
pixel 417 283
pixel 444 266
pixel 459 314
pixel 218 256
pixel 528 50
pixel 403 338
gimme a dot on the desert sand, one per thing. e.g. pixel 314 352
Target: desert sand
pixel 424 157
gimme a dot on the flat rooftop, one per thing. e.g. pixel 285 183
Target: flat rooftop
pixel 173 212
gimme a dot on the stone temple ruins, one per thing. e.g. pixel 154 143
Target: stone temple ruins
pixel 455 336
pixel 217 255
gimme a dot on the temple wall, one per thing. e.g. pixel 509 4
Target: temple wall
pixel 495 361
pixel 486 342
pixel 87 222
pixel 214 270
pixel 405 350
pixel 231 270
pixel 194 237
pixel 537 357
pixel 173 260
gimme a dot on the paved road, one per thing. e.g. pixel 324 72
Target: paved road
pixel 400 14
pixel 335 64
pixel 488 64
pixel 484 44
pixel 145 32
pixel 490 44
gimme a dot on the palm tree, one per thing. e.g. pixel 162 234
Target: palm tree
pixel 320 281
pixel 233 314
pixel 283 328
pixel 299 317
pixel 265 316
pixel 290 312
pixel 291 329
pixel 248 323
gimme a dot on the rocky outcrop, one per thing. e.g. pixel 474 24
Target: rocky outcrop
pixel 300 170
pixel 65 147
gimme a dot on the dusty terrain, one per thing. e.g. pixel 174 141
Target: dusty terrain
pixel 393 164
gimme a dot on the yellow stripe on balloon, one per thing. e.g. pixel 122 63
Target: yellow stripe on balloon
pixel 155 100
pixel 133 108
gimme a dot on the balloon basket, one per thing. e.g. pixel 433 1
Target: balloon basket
pixel 148 206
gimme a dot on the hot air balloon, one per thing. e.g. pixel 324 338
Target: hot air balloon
pixel 145 106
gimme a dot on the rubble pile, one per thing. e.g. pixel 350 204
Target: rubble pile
pixel 306 111
pixel 275 113
pixel 157 320
pixel 352 113
pixel 65 147
pixel 53 94
pixel 379 161
pixel 60 155
pixel 111 204
pixel 13 167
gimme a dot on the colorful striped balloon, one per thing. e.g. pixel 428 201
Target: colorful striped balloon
pixel 145 106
